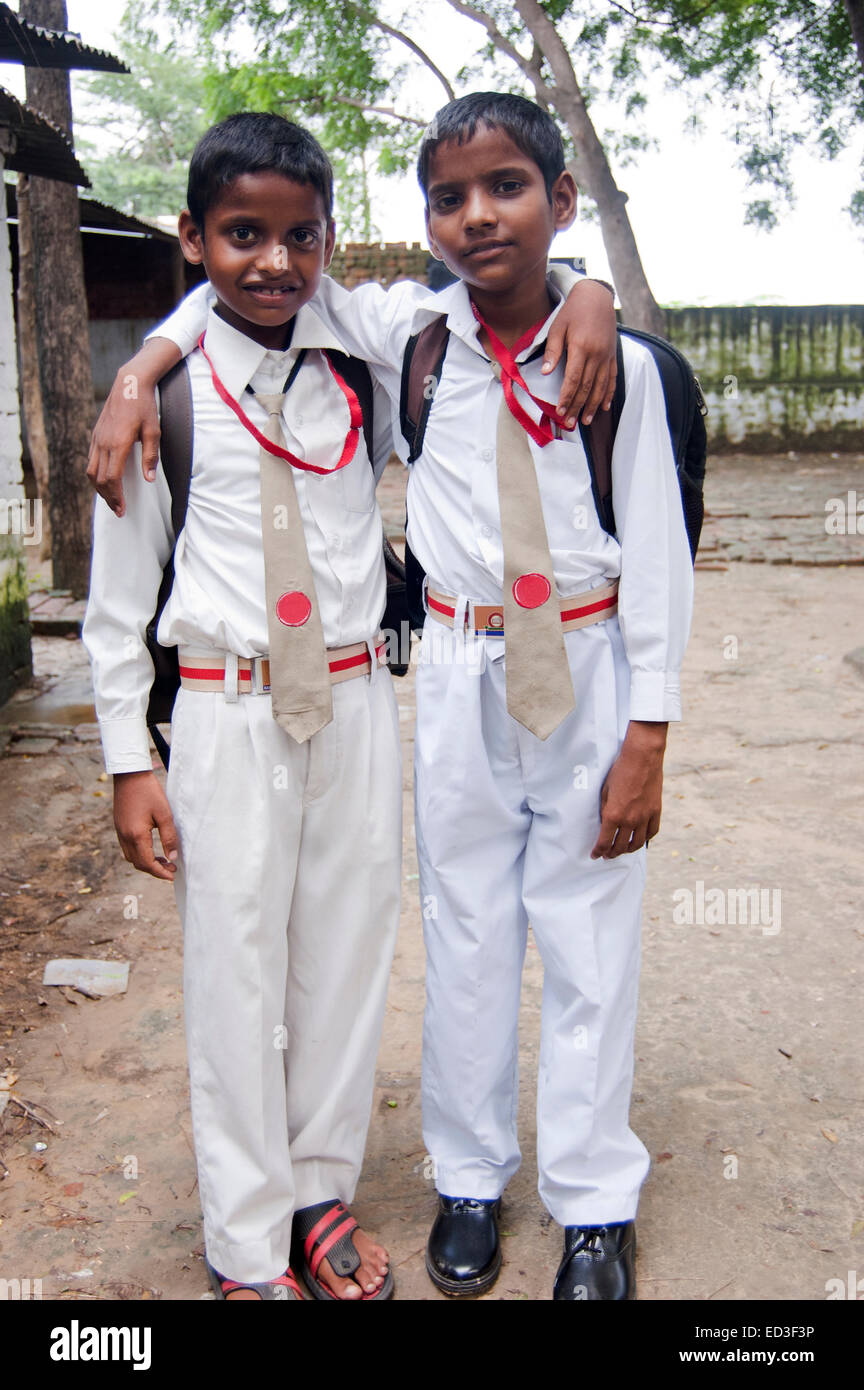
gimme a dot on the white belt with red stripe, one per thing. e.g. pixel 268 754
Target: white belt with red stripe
pixel 231 675
pixel 483 619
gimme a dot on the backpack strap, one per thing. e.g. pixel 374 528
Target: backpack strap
pixel 598 440
pixel 175 453
pixel 355 372
pixel 421 372
pixel 175 446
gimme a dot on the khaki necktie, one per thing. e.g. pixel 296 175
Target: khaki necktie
pixel 299 670
pixel 539 684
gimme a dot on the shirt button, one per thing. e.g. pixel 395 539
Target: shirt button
pixel 487 532
pixel 299 419
pixel 335 541
pixel 486 456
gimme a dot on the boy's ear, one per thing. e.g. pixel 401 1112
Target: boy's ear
pixel 329 243
pixel 433 245
pixel 191 239
pixel 564 198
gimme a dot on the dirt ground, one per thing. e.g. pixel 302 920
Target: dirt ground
pixel 748 1076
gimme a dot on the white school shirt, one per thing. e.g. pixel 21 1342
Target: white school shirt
pixel 454 526
pixel 218 597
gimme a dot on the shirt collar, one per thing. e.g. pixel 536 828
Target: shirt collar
pixel 455 302
pixel 237 357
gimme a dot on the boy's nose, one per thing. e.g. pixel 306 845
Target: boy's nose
pixel 272 259
pixel 479 210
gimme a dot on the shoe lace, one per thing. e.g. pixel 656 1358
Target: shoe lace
pixel 467 1204
pixel 590 1238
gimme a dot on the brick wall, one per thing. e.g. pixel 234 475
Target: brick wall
pixel 355 263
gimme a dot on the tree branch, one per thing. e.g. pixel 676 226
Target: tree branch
pixel 551 45
pixel 415 48
pixel 529 66
pixel 380 111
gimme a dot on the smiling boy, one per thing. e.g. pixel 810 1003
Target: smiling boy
pixel 284 732
pixel 539 765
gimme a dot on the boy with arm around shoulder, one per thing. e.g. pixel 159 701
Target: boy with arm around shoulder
pixel 538 766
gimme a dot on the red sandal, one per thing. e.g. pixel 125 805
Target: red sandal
pixel 284 1289
pixel 325 1229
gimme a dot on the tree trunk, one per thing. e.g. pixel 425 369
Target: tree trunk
pixel 31 390
pixel 638 306
pixel 855 11
pixel 61 326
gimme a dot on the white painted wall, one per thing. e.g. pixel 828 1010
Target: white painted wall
pixel 14 628
pixel 10 425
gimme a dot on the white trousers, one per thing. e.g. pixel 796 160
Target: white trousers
pixel 288 891
pixel 505 826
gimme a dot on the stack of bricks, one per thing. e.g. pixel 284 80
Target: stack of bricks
pixel 356 263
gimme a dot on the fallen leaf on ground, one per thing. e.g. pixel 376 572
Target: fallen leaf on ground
pixel 830 1135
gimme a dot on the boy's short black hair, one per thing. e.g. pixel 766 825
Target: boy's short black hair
pixel 254 142
pixel 524 121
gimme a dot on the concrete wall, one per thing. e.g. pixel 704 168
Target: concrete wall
pixel 113 342
pixel 15 658
pixel 778 378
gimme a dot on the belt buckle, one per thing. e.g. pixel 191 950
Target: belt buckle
pixel 258 685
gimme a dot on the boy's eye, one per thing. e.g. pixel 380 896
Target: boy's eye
pixel 243 234
pixel 445 203
pixel 304 236
pixel 509 186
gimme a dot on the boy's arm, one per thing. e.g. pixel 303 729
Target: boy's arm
pixel 655 604
pixel 375 324
pixel 586 329
pixel 372 322
pixel 129 413
pixel 128 558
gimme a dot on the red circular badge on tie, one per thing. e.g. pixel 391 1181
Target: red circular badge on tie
pixel 531 590
pixel 293 609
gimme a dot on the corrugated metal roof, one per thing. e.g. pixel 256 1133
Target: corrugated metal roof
pixel 40 146
pixel 103 217
pixel 22 42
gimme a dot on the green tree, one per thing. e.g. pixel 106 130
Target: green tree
pixel 345 70
pixel 790 72
pixel 148 121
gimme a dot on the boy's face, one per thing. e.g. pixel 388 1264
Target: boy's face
pixel 265 244
pixel 489 218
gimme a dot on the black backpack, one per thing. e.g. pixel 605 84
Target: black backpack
pixel 685 414
pixel 175 450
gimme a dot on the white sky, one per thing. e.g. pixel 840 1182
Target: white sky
pixel 686 200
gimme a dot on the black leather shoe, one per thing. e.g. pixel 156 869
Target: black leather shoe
pixel 598 1263
pixel 463 1254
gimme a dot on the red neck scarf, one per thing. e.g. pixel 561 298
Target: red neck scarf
pixel 349 448
pixel 542 433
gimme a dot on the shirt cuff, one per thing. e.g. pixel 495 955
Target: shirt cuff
pixel 126 745
pixel 655 696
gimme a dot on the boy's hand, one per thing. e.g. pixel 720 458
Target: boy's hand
pixel 586 326
pixel 632 793
pixel 129 414
pixel 140 807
